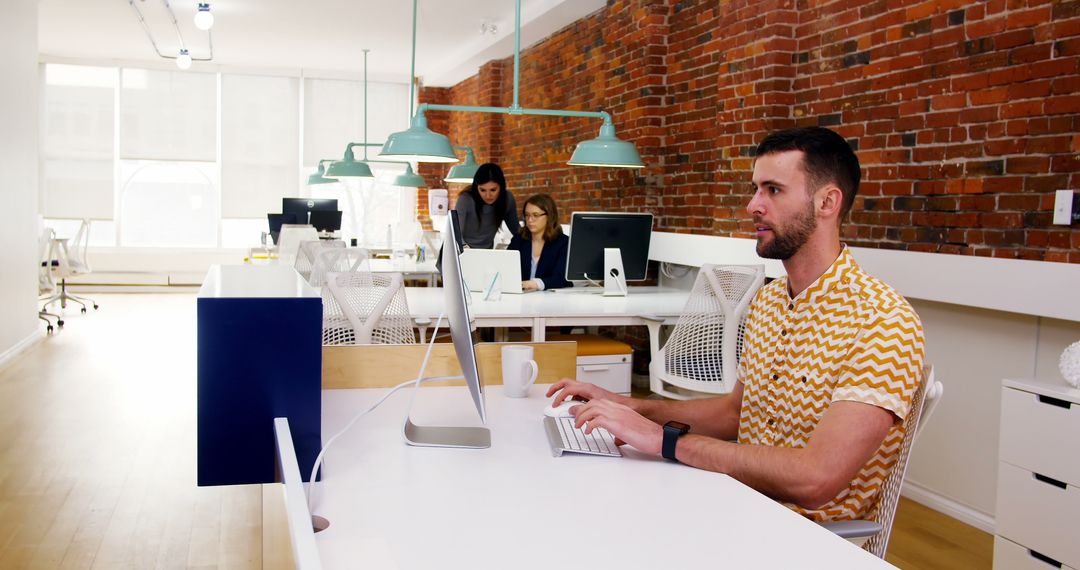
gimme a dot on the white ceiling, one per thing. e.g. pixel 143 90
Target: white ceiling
pixel 313 35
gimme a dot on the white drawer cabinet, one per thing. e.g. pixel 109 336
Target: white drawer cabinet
pixel 611 372
pixel 1038 494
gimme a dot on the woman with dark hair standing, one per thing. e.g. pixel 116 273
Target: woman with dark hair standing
pixel 542 245
pixel 484 205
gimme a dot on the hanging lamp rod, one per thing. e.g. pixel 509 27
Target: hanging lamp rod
pixel 423 145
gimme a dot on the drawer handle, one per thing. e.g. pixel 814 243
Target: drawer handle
pixel 1045 558
pixel 594 368
pixel 1050 481
pixel 1055 402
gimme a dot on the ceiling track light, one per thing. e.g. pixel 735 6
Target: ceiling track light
pixel 204 20
pixel 183 57
pixel 420 144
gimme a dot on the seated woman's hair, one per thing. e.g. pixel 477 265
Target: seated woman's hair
pixel 552 228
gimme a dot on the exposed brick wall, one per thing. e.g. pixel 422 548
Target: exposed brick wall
pixel 965 114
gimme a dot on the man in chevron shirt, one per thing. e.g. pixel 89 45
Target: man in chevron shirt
pixel 831 357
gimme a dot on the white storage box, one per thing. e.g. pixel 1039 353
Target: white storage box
pixel 601 361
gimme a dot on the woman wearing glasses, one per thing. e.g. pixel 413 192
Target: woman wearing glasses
pixel 542 245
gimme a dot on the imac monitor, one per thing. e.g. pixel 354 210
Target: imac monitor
pixel 457 311
pixel 326 220
pixel 302 206
pixel 592 232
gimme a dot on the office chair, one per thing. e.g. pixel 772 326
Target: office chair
pixel 308 250
pixel 45 280
pixel 873 532
pixel 335 260
pixel 68 264
pixel 700 357
pixel 361 307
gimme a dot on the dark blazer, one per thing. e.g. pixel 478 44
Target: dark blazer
pixel 551 269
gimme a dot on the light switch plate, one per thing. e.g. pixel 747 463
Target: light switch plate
pixel 1063 207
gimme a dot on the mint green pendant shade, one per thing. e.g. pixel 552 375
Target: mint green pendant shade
pixel 606 150
pixel 464 172
pixel 410 179
pixel 349 167
pixel 318 177
pixel 418 144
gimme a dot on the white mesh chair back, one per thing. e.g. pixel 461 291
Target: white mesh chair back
pixel 700 357
pixel 45 275
pixel 360 307
pixel 923 403
pixel 77 249
pixel 308 251
pixel 335 260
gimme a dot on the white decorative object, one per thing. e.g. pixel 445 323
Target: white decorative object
pixel 1070 364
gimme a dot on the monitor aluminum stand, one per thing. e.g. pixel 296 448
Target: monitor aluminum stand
pixel 446 436
pixel 443 436
pixel 614 276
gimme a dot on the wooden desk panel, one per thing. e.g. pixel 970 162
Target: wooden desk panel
pixel 385 365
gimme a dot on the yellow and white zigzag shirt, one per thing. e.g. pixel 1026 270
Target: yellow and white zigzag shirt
pixel 846 337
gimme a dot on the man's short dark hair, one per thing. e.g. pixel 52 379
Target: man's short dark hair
pixel 827 157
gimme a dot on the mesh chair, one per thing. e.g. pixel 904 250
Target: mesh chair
pixel 335 260
pixel 700 357
pixel 360 307
pixel 873 533
pixel 309 250
pixel 45 280
pixel 70 259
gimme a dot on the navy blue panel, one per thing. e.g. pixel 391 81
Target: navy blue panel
pixel 258 358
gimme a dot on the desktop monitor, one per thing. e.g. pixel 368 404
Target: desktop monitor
pixel 457 312
pixel 276 221
pixel 326 220
pixel 302 206
pixel 592 232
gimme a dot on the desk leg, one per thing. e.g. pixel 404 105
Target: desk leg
pixel 538 332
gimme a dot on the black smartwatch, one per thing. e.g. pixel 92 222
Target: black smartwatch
pixel 672 432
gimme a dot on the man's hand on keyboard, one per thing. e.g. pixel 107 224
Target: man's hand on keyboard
pixel 626 425
pixel 581 391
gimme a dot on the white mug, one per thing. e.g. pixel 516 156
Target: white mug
pixel 519 370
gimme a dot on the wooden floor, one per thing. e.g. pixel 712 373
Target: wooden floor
pixel 97 458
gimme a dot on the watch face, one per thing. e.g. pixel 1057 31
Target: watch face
pixel 677 426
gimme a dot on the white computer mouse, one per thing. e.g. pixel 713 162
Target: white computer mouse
pixel 562 410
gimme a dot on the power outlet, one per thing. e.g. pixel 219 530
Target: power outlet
pixel 1066 208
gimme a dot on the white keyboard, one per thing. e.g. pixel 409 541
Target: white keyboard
pixel 563 436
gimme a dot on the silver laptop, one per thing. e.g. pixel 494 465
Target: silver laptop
pixel 479 266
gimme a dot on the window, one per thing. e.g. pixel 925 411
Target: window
pixel 168 204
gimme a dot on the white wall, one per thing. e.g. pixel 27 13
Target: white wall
pixel 18 175
pixel 972 350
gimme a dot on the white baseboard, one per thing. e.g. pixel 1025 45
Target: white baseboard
pixel 947 506
pixel 9 355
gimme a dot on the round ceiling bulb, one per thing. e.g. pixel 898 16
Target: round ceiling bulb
pixel 183 61
pixel 204 20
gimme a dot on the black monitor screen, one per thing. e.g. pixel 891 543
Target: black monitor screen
pixel 326 221
pixel 301 207
pixel 592 232
pixel 276 220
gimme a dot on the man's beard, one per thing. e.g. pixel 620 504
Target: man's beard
pixel 789 239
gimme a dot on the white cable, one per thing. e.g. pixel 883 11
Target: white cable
pixel 665 268
pixel 416 381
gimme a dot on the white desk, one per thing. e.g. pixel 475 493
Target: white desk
pixel 515 506
pixel 410 268
pixel 551 308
